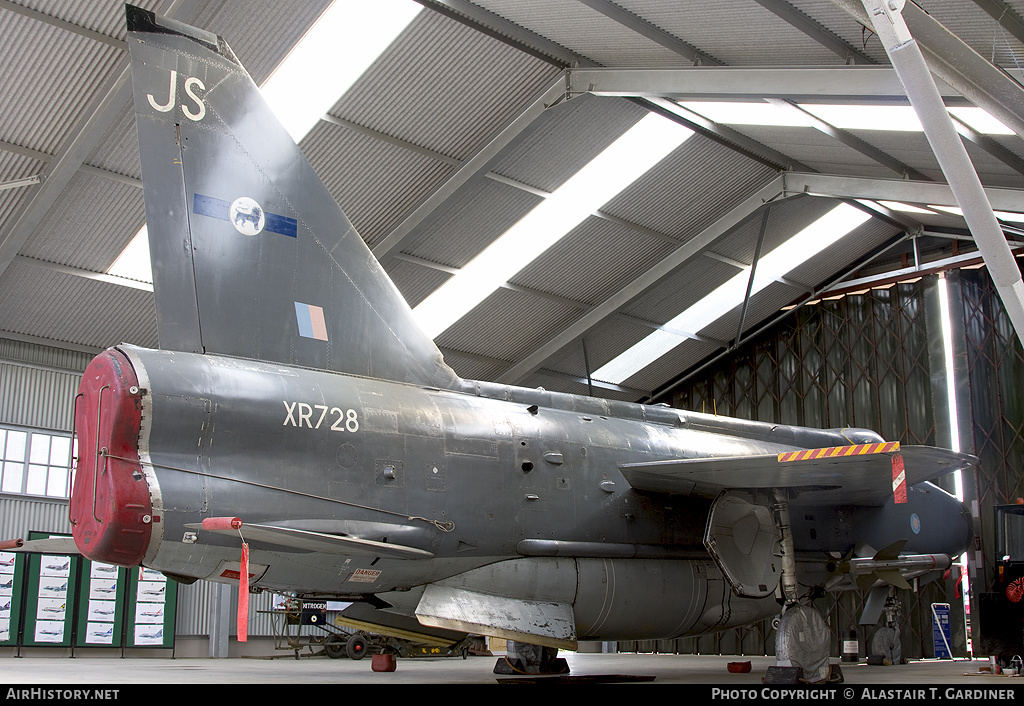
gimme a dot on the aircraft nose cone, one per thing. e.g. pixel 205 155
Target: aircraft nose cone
pixel 111 511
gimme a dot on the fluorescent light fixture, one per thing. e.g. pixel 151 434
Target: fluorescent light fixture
pixel 330 57
pixel 867 117
pixel 619 165
pixel 947 350
pixel 981 121
pixel 801 247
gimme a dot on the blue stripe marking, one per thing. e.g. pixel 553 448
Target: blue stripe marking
pixel 283 225
pixel 209 206
pixel 304 320
pixel 203 205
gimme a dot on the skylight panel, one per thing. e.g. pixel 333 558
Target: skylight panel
pixel 980 120
pixel 778 113
pixel 1001 215
pixel 345 40
pixel 619 165
pixel 134 262
pixel 800 248
pixel 867 117
pixel 905 207
pixel 773 114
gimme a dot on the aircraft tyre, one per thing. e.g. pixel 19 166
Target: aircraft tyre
pixel 885 643
pixel 356 646
pixel 803 640
pixel 523 658
pixel 335 648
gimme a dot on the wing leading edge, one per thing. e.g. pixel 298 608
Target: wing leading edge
pixel 862 474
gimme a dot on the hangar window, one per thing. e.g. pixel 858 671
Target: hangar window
pixel 35 462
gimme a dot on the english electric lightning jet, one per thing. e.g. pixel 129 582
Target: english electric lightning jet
pixel 294 404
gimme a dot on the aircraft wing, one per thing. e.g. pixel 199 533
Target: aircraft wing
pixel 863 474
pixel 48 545
pixel 305 540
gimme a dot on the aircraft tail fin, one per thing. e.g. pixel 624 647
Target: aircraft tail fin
pixel 252 257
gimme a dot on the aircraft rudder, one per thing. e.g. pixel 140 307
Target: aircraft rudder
pixel 242 225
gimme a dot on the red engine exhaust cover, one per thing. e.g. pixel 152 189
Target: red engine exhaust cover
pixel 111 510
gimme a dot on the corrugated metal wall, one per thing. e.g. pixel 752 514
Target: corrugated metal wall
pixel 195 605
pixel 20 515
pixel 37 398
pixel 38 384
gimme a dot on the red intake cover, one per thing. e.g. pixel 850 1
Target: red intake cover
pixel 111 512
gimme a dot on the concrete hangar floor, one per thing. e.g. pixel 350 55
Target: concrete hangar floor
pixel 961 675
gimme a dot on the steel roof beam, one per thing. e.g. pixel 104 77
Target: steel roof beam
pixel 847 187
pixel 63 24
pixel 958 65
pixel 476 166
pixel 855 143
pixel 494 25
pixel 1005 15
pixel 609 307
pixel 764 326
pixel 835 83
pixel 723 134
pixel 822 35
pixel 653 32
pixel 62 168
pixel 85 274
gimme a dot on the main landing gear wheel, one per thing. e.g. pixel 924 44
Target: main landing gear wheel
pixel 886 645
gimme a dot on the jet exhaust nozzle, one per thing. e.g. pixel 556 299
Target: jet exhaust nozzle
pixel 111 509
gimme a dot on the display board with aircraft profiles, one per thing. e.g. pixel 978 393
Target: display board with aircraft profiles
pixel 54 600
pixel 101 611
pixel 152 600
pixel 11 571
pixel 50 592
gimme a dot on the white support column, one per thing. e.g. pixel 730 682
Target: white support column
pixel 220 619
pixel 907 59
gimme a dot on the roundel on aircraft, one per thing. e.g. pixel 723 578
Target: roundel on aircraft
pixel 915 523
pixel 247 216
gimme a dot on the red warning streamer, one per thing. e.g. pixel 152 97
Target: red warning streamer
pixel 243 596
pixel 234 523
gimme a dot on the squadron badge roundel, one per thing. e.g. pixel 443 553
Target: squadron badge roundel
pixel 247 216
